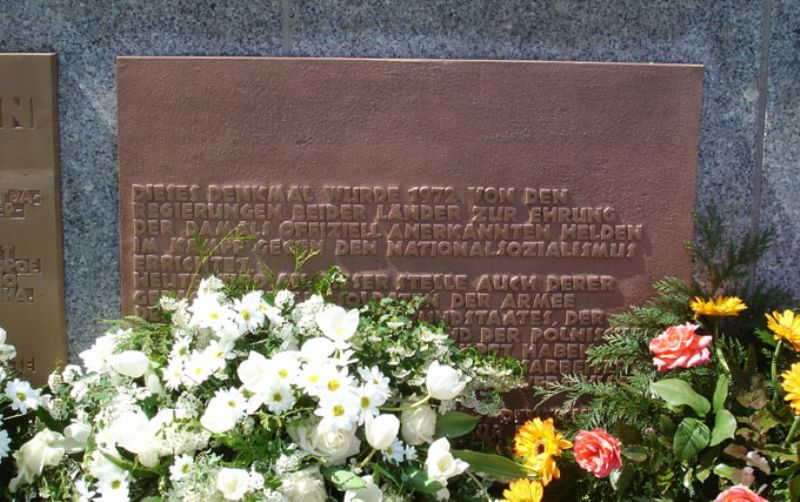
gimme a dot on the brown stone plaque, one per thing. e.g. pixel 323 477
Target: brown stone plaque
pixel 528 199
pixel 31 266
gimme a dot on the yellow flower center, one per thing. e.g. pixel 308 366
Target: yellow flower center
pixel 21 396
pixel 283 373
pixel 245 315
pixel 214 315
pixel 338 410
pixel 277 397
pixel 333 385
pixel 365 402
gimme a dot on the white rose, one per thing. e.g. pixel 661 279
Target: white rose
pixel 444 382
pixel 131 363
pixel 233 484
pixel 129 431
pixel 441 464
pixel 418 425
pixel 370 493
pixel 304 486
pixel 335 446
pixel 382 431
pixel 35 455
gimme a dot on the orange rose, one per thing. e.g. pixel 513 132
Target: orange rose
pixel 739 493
pixel 597 452
pixel 680 347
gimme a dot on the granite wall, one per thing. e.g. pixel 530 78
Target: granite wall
pixel 750 144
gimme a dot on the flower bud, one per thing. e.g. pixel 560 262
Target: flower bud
pixel 444 382
pixel 382 431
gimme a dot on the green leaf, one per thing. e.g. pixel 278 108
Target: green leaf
pixel 454 424
pixel 794 489
pixel 691 438
pixel 766 337
pixel 621 478
pixel 724 427
pixel 666 425
pixel 635 453
pixel 679 393
pixel 720 392
pixel 724 471
pixel 492 465
pixel 421 482
pixel 343 479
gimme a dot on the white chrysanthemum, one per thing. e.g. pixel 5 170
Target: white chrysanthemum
pixel 335 380
pixel 173 374
pixel 219 352
pixel 410 453
pixel 279 398
pixel 209 312
pixel 113 489
pixel 395 453
pixel 23 396
pixel 249 312
pixel 199 367
pixel 181 467
pixel 338 324
pixel 7 352
pixel 5 443
pixel 284 299
pixel 181 348
pixel 286 366
pixel 224 410
pixel 368 401
pixel 311 376
pixel 83 489
pixel 339 410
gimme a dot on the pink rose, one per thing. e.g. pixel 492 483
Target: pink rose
pixel 680 347
pixel 597 452
pixel 739 493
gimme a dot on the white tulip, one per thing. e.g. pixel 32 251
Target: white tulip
pixel 131 363
pixel 304 486
pixel 370 493
pixel 338 324
pixel 233 484
pixel 418 425
pixel 441 464
pixel 256 372
pixel 35 455
pixel 76 436
pixel 382 431
pixel 444 382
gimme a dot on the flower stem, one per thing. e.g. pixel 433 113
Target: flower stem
pixel 774 370
pixel 410 406
pixel 368 458
pixel 718 347
pixel 792 431
pixel 480 485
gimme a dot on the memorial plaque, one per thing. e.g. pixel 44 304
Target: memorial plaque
pixel 31 266
pixel 528 199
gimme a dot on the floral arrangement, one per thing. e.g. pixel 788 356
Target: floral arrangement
pixel 705 399
pixel 246 395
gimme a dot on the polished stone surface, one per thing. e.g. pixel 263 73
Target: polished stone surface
pixel 780 209
pixel 724 36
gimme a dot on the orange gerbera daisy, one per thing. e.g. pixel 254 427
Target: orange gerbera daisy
pixel 537 442
pixel 524 490
pixel 721 306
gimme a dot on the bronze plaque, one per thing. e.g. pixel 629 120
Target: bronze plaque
pixel 528 199
pixel 31 266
